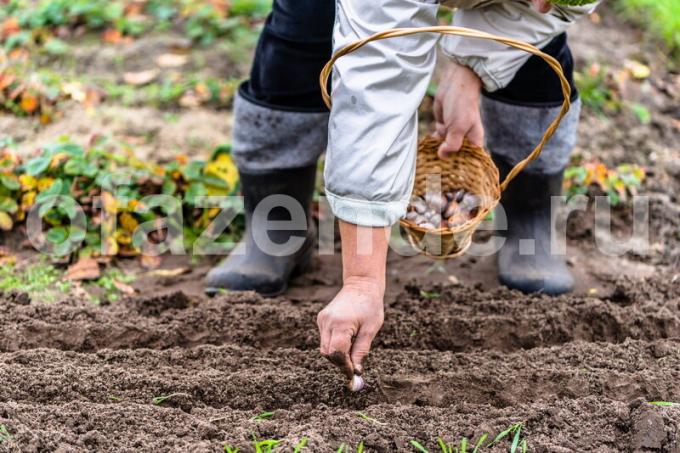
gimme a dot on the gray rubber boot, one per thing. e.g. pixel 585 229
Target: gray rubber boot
pixel 525 261
pixel 276 152
pixel 255 265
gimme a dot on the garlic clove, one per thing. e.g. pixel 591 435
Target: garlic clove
pixel 412 215
pixel 419 205
pixel 436 201
pixel 457 219
pixel 356 384
pixel 471 201
pixel 451 209
pixel 435 219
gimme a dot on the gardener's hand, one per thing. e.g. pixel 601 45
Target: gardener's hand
pixel 542 6
pixel 349 323
pixel 456 109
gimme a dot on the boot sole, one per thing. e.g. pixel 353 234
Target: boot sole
pixel 305 265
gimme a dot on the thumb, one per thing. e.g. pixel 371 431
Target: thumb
pixel 361 348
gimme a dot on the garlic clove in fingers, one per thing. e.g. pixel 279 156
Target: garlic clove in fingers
pixel 356 384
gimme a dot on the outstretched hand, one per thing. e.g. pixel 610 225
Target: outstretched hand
pixel 348 325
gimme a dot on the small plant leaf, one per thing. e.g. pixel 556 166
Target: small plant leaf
pixel 419 447
pixel 263 416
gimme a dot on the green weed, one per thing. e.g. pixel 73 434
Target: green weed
pixel 512 434
pixel 263 416
pixel 158 400
pixel 41 281
pixel 4 434
pixel 429 295
pixel 264 446
pixel 619 184
pixel 663 403
pixel 661 18
pixel 345 448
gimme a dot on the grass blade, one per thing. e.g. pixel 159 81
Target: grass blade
pixel 301 445
pixel 262 416
pixel 419 447
pixel 515 440
pixel 480 443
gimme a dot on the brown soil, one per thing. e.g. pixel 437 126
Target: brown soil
pixel 458 356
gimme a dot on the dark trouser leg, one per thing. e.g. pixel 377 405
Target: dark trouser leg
pixel 280 130
pixel 515 119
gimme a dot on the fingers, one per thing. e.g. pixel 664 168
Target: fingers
pixel 438 110
pixel 324 334
pixel 476 134
pixel 452 144
pixel 339 347
pixel 440 130
pixel 361 348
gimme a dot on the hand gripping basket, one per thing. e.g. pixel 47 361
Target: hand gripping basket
pixel 471 168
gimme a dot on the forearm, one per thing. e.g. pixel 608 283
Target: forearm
pixel 364 256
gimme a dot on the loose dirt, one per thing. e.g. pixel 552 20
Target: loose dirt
pixel 458 356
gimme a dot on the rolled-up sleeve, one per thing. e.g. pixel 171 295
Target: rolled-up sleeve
pixel 376 92
pixel 496 64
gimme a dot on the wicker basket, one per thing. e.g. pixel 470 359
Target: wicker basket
pixel 471 168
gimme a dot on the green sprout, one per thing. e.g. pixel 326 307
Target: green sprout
pixel 344 448
pixel 4 434
pixel 262 416
pixel 264 446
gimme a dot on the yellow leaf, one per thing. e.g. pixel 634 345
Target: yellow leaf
pixel 27 200
pixel 637 69
pixel 110 247
pixel 128 222
pixel 28 182
pixel 58 159
pixel 45 183
pixel 123 237
pixel 6 222
pixel 223 167
pixel 109 203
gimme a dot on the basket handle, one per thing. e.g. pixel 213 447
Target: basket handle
pixel 470 33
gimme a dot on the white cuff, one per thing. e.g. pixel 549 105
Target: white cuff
pixel 367 213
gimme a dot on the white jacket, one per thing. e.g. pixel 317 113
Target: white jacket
pixel 370 159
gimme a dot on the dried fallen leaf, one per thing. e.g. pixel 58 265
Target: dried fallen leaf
pixel 168 273
pixel 141 77
pixel 84 269
pixel 123 287
pixel 189 100
pixel 112 36
pixel 9 27
pixel 637 69
pixel 171 60
pixel 6 222
pixel 29 103
pixel 150 261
